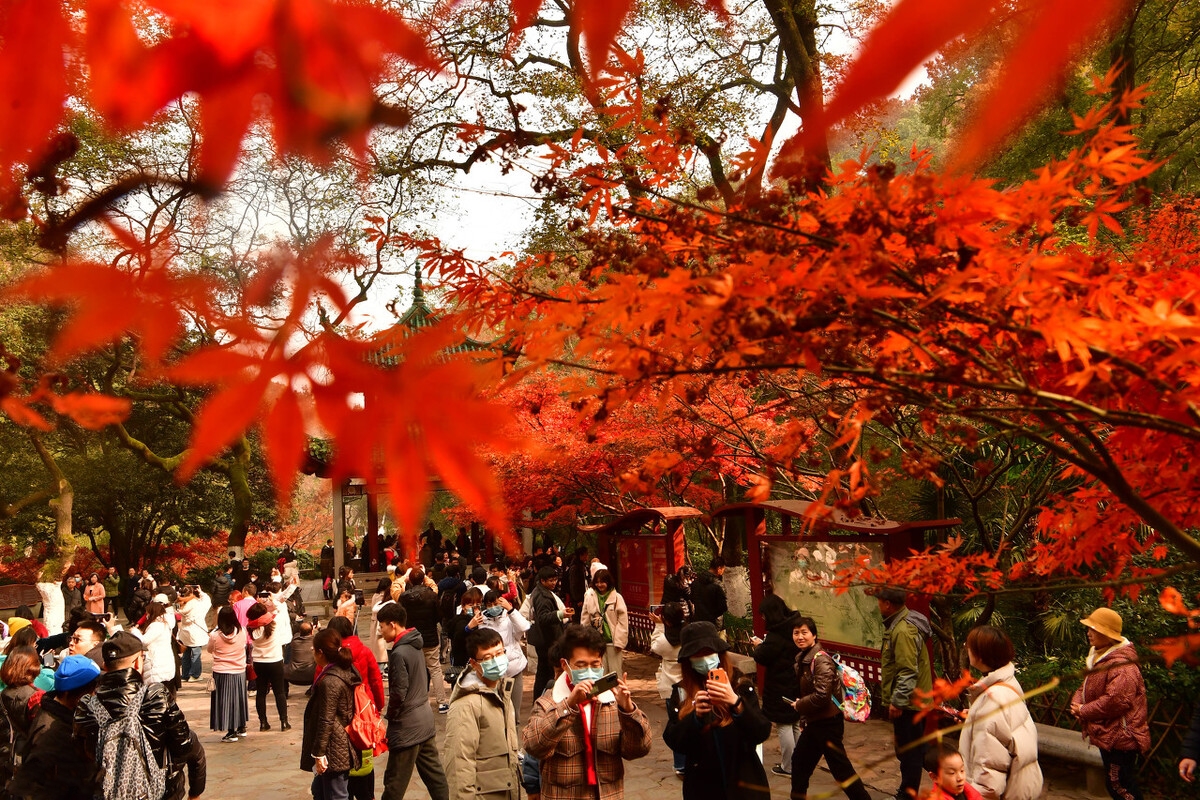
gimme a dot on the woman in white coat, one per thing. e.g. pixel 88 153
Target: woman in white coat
pixel 613 622
pixel 999 740
pixel 155 633
pixel 499 615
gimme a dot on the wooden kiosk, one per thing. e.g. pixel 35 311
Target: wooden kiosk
pixel 798 557
pixel 640 549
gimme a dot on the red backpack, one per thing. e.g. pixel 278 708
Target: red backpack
pixel 367 730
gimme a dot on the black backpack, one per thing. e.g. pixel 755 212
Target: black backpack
pixel 448 604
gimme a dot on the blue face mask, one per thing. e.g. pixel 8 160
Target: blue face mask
pixel 706 664
pixel 494 668
pixel 587 674
pixel 493 612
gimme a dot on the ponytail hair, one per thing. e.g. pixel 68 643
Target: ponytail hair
pixel 329 642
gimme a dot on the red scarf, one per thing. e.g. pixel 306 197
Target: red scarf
pixel 589 747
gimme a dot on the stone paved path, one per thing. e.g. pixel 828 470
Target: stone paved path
pixel 268 764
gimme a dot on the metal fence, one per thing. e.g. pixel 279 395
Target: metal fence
pixel 1169 720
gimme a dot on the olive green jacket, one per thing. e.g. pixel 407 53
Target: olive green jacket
pixel 904 658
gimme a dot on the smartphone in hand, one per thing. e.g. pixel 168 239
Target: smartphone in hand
pixel 718 675
pixel 605 684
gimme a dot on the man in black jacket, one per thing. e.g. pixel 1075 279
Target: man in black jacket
pixel 301 670
pixel 420 601
pixel 708 595
pixel 165 727
pixel 55 765
pixel 223 587
pixel 549 614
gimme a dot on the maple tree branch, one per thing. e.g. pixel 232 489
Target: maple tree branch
pixel 12 509
pixel 54 236
pixel 143 451
pixel 1063 586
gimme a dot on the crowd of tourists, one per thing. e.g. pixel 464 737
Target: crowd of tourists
pixel 90 710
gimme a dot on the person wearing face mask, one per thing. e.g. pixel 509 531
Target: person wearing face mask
pixel 604 609
pixel 583 740
pixel 467 620
pixel 500 616
pixel 716 724
pixel 480 752
pixel 824 726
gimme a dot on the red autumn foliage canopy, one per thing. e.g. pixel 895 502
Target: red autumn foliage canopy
pixel 892 290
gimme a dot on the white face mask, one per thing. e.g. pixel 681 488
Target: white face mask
pixel 706 664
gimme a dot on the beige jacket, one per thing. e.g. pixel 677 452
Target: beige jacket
pixel 615 611
pixel 999 740
pixel 480 751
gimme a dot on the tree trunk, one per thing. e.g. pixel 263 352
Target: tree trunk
pixel 243 498
pixel 63 554
pixel 56 566
pixel 796 22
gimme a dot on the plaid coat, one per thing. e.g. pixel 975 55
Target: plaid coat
pixel 559 743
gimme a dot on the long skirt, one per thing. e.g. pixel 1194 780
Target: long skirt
pixel 229 708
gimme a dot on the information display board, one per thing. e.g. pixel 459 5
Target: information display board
pixel 802 573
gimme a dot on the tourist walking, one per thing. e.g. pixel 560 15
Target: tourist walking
pixel 480 754
pixel 267 656
pixel 664 643
pixel 1111 704
pixel 998 742
pixel 604 609
pixel 776 654
pixel 500 616
pixel 228 706
pixel 823 726
pixel 410 729
pixel 717 724
pixel 326 750
pixel 420 601
pixel 904 668
pixel 364 660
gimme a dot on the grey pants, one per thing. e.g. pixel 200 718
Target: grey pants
pixel 428 763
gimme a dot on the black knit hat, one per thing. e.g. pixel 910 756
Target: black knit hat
pixel 697 636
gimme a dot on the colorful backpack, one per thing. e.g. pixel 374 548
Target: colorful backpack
pixel 855 704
